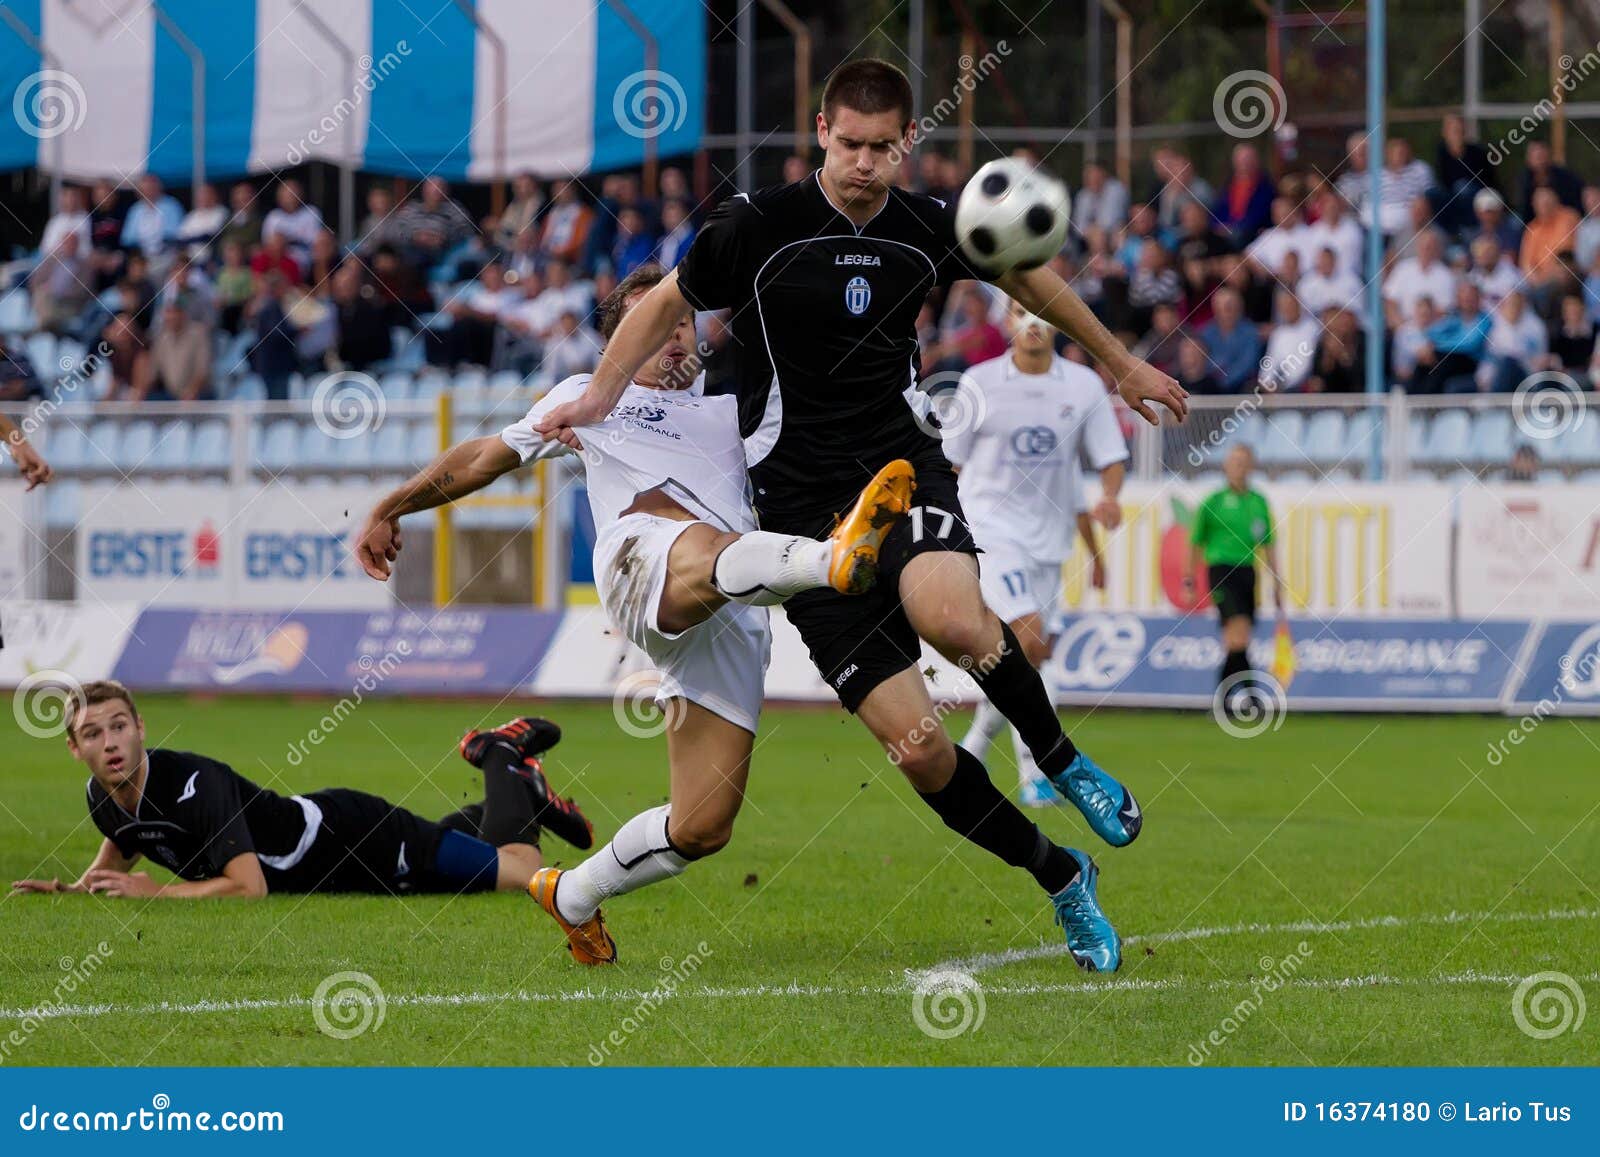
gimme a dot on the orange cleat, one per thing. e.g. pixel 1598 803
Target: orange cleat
pixel 860 534
pixel 589 942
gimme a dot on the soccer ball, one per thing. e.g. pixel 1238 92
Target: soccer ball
pixel 1011 216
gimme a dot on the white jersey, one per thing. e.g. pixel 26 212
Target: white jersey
pixel 679 440
pixel 1019 452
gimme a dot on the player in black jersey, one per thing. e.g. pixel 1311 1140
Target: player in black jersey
pixel 225 836
pixel 825 278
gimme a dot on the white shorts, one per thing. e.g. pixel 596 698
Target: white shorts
pixel 721 663
pixel 1015 583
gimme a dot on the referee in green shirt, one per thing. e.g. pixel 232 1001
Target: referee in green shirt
pixel 1231 529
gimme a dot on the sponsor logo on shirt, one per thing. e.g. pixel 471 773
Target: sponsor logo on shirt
pixel 856 259
pixel 845 675
pixel 857 294
pixel 1033 441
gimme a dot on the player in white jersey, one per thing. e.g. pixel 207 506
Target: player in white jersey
pixel 1032 415
pixel 683 573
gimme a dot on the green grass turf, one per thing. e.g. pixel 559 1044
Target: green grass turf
pixel 838 881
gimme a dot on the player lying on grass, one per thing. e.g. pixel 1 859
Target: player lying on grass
pixel 33 468
pixel 1020 484
pixel 225 836
pixel 683 574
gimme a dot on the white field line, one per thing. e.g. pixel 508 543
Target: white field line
pixel 972 964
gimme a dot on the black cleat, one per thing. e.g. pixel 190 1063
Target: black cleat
pixel 526 736
pixel 563 817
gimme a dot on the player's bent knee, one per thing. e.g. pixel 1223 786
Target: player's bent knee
pixel 695 841
pixel 927 761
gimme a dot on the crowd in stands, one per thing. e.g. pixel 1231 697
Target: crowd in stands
pixel 1253 282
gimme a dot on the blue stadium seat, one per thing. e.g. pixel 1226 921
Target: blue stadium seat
pixel 1448 438
pixel 1281 438
pixel 1579 446
pixel 396 386
pixel 1325 436
pixel 391 445
pixel 471 378
pixel 1416 435
pixel 211 448
pixel 1491 437
pixel 138 440
pixel 101 451
pixel 427 387
pixel 41 351
pixel 250 388
pixel 424 442
pixel 1363 428
pixel 65 444
pixel 172 448
pixel 505 382
pixel 16 312
pixel 279 448
pixel 316 449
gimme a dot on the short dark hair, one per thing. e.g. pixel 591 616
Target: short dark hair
pixel 869 85
pixel 99 691
pixel 615 306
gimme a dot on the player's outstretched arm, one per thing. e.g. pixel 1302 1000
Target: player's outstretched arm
pixel 1041 291
pixel 645 328
pixel 241 879
pixel 108 858
pixel 456 473
pixel 34 469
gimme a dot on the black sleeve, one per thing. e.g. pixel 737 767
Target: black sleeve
pixel 950 262
pixel 220 819
pixel 715 273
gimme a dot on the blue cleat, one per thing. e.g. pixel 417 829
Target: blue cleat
pixel 1038 793
pixel 1109 807
pixel 1091 939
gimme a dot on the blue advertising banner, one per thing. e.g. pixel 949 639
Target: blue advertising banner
pixel 455 651
pixel 1348 664
pixel 1563 673
pixel 768 1111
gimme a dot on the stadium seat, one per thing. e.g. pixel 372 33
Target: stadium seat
pixel 1579 446
pixel 280 445
pixel 1447 440
pixel 505 382
pixel 1281 438
pixel 16 312
pixel 1325 436
pixel 396 386
pixel 391 445
pixel 471 378
pixel 1492 441
pixel 211 445
pixel 1359 437
pixel 136 445
pixel 65 444
pixel 41 351
pixel 249 388
pixel 1587 478
pixel 428 386
pixel 101 450
pixel 424 443
pixel 316 449
pixel 172 448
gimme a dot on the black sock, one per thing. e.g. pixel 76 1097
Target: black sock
pixel 1013 686
pixel 510 807
pixel 1234 664
pixel 468 821
pixel 973 807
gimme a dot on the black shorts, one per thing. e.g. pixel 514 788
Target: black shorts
pixel 1233 590
pixel 858 641
pixel 365 844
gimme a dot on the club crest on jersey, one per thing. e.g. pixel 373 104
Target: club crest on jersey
pixel 857 295
pixel 1033 441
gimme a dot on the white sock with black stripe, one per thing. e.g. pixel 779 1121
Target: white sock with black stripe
pixel 638 855
pixel 762 568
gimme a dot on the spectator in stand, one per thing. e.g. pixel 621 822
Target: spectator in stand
pixel 189 283
pixel 953 176
pixel 1591 290
pixel 1196 373
pixel 243 226
pixel 1355 183
pixel 1572 337
pixel 364 337
pixel 69 219
pixel 1232 344
pixel 675 185
pixel 1102 202
pixel 432 226
pixel 1335 228
pixel 1244 207
pixel 325 258
pixel 1181 186
pixel 1197 240
pixel 1492 272
pixel 275 355
pixel 1154 282
pixel 1519 345
pixel 129 350
pixel 201 224
pixel 295 221
pixel 1329 287
pixel 1456 343
pixel 617 190
pixel 1424 274
pixel 1411 340
pixel 235 285
pixel 566 225
pixel 1139 234
pixel 678 233
pixel 402 294
pixel 274 257
pixel 136 292
pixel 1340 363
pixel 1463 170
pixel 379 227
pixel 1546 242
pixel 19 381
pixel 1405 178
pixel 573 348
pixel 475 314
pixel 1200 284
pixel 1524 464
pixel 975 339
pixel 797 168
pixel 105 235
pixel 179 366
pixel 1419 220
pixel 1161 343
pixel 1291 345
pixel 634 244
pixel 152 220
pixel 1494 221
pixel 527 199
pixel 1586 246
pixel 1542 172
pixel 535 318
pixel 1255 293
pixel 1287 234
pixel 60 283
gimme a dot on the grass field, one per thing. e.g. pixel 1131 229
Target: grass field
pixel 1346 890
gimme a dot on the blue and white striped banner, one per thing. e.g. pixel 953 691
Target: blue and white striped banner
pixel 550 86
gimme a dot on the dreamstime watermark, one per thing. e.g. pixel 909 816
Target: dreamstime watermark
pixel 1573 73
pixel 972 71
pixel 673 974
pixel 972 670
pixel 370 73
pixel 1547 405
pixel 947 1003
pixel 1576 676
pixel 373 674
pixel 955 405
pixel 648 103
pixel 75 374
pixel 348 1004
pixel 75 974
pixel 1276 974
pixel 638 711
pixel 48 103
pixel 44 701
pixel 1249 103
pixel 1250 703
pixel 1548 1004
pixel 348 404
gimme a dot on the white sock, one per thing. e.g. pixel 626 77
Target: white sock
pixel 987 722
pixel 762 568
pixel 637 855
pixel 1027 769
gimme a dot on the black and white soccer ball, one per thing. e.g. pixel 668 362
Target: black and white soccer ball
pixel 1012 216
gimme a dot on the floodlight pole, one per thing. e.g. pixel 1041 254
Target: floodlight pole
pixel 652 68
pixel 197 81
pixel 497 189
pixel 347 167
pixel 1377 378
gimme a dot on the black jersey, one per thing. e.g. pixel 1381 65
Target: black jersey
pixel 197 814
pixel 824 326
